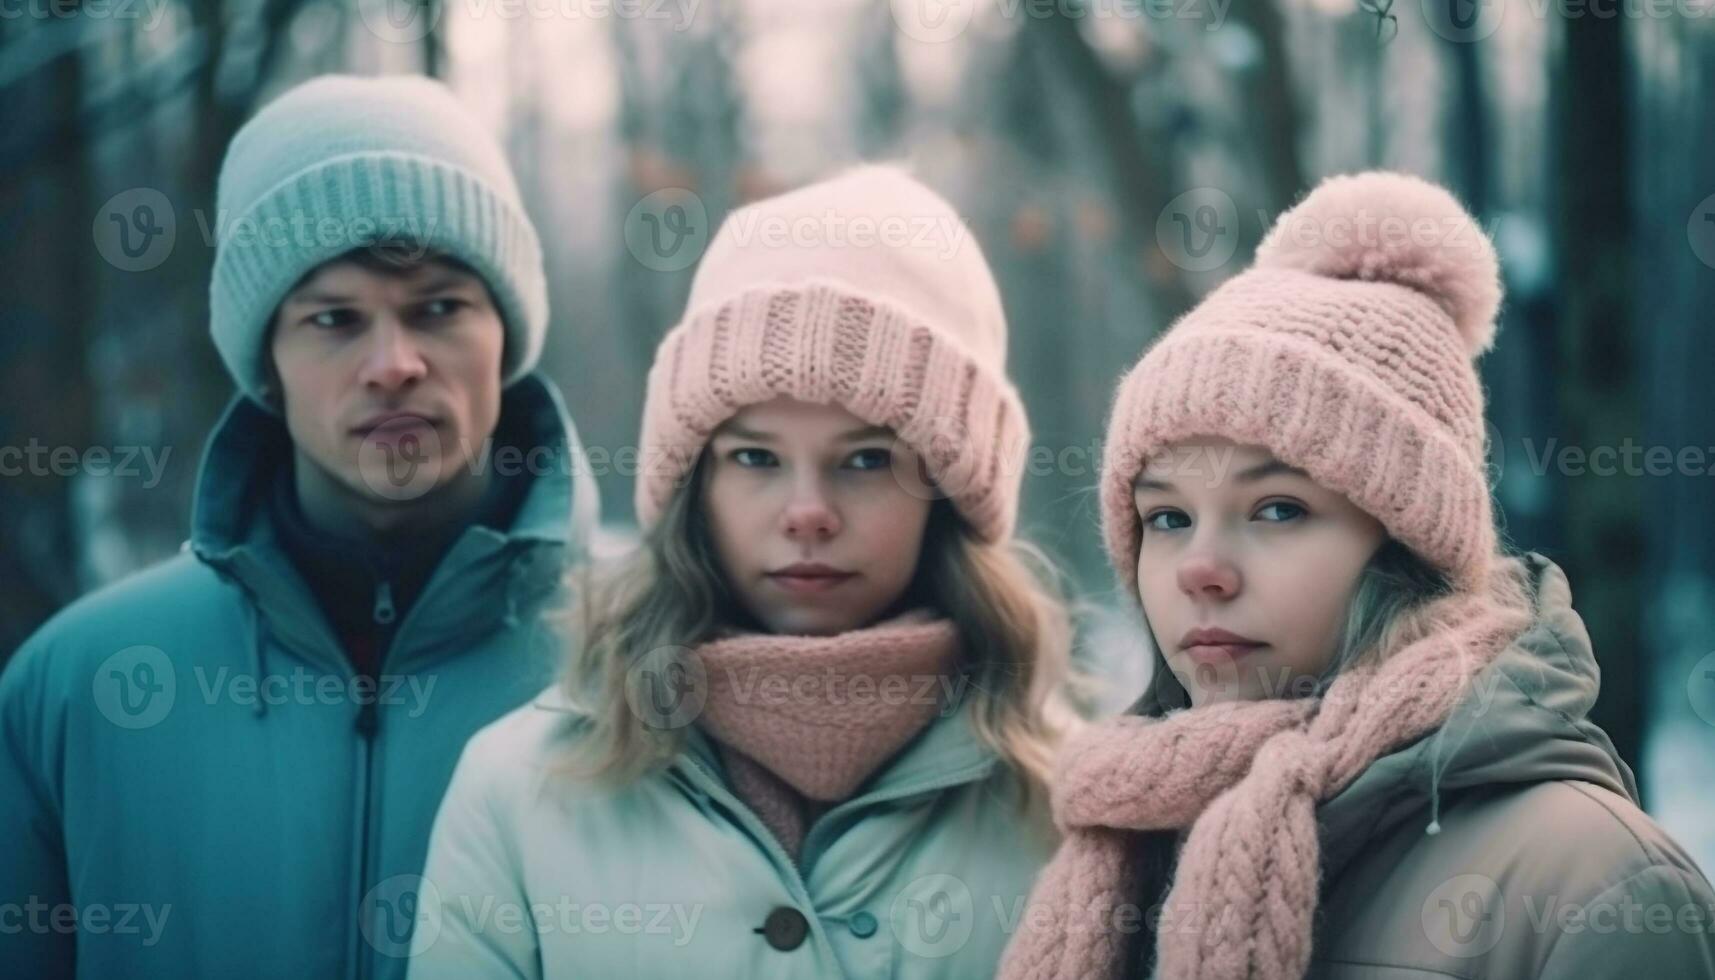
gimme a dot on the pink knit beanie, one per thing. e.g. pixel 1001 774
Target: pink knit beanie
pixel 867 291
pixel 1347 351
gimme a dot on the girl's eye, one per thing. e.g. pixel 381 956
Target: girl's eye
pixel 333 319
pixel 1294 510
pixel 1150 521
pixel 751 458
pixel 872 459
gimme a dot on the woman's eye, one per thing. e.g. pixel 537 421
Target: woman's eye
pixel 751 458
pixel 871 459
pixel 1293 510
pixel 1152 520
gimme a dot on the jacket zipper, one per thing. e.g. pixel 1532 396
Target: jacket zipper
pixel 367 724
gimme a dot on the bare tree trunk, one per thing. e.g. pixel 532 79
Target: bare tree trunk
pixel 1596 369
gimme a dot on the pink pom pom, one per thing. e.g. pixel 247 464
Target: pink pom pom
pixel 1391 227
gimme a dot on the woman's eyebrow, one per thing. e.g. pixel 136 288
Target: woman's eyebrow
pixel 1269 468
pixel 1250 475
pixel 737 431
pixel 868 432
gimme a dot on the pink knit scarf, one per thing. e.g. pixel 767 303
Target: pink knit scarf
pixel 802 721
pixel 1245 778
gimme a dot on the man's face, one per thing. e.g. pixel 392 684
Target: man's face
pixel 390 377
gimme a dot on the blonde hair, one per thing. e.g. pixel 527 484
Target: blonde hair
pixel 1006 600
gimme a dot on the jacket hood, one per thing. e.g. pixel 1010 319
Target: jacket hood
pixel 1525 720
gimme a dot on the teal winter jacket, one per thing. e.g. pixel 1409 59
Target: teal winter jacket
pixel 193 781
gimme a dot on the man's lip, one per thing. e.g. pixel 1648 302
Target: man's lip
pixel 399 419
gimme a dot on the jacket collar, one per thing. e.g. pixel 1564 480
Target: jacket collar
pixel 486 576
pixel 1525 720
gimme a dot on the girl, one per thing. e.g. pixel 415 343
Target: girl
pixel 1364 751
pixel 805 730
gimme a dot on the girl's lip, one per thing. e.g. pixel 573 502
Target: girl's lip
pixel 1220 652
pixel 808 584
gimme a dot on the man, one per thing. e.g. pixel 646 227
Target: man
pixel 228 764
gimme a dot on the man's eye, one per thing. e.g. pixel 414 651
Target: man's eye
pixel 1151 521
pixel 872 459
pixel 443 307
pixel 332 319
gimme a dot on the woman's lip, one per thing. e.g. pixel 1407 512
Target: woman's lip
pixel 1220 652
pixel 820 582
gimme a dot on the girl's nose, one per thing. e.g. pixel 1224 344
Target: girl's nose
pixel 810 515
pixel 1208 575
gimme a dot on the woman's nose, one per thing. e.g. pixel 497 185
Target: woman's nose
pixel 1208 575
pixel 810 514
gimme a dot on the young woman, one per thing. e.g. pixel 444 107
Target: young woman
pixel 1364 750
pixel 805 730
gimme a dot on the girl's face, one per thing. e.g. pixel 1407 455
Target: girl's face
pixel 1237 541
pixel 814 532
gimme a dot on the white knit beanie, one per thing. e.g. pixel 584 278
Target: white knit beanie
pixel 343 162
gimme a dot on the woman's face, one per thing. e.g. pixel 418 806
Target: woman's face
pixel 1237 541
pixel 813 529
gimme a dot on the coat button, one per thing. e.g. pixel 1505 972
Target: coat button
pixel 862 925
pixel 785 928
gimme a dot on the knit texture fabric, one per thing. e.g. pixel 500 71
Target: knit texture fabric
pixel 341 163
pixel 1346 351
pixel 807 719
pixel 1245 778
pixel 903 330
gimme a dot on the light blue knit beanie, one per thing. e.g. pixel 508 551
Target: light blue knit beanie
pixel 343 162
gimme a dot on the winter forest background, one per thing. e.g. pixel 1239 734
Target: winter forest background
pixel 1082 138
